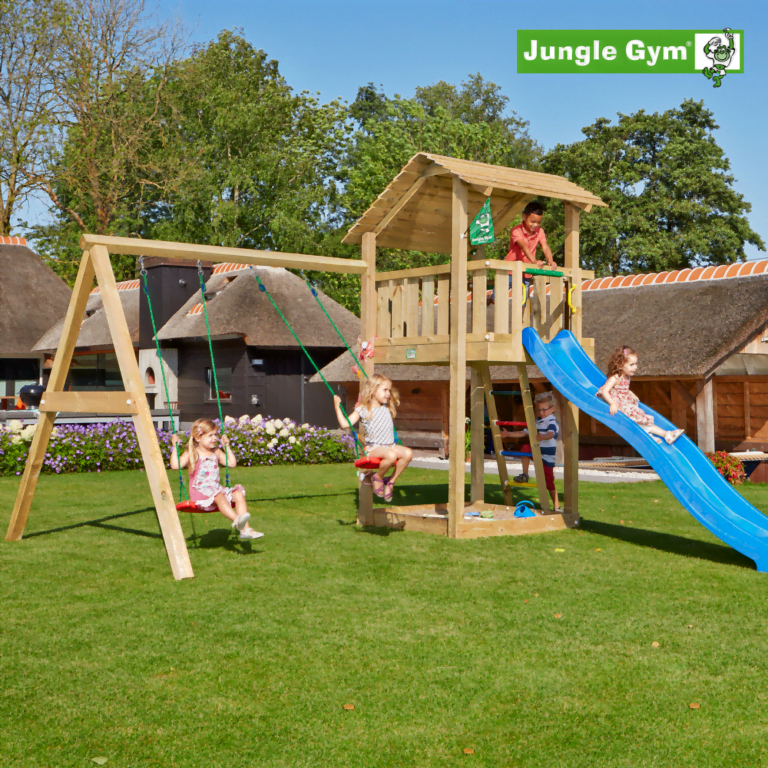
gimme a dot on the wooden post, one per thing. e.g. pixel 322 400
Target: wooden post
pixel 747 413
pixel 705 418
pixel 154 464
pixel 571 253
pixel 498 446
pixel 570 413
pixel 530 420
pixel 457 354
pixel 67 342
pixel 368 330
pixel 517 320
pixel 427 306
pixel 477 416
pixel 501 299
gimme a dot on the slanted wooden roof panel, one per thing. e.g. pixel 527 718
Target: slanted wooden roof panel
pixel 398 212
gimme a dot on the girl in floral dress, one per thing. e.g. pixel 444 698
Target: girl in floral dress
pixel 205 489
pixel 616 392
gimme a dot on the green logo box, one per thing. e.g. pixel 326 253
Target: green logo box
pixel 625 51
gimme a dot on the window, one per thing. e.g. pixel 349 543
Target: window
pixel 224 381
pixel 95 373
pixel 15 373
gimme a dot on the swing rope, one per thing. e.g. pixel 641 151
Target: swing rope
pixel 263 289
pixel 213 366
pixel 143 272
pixel 313 288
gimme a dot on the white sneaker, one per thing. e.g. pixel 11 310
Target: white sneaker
pixel 249 533
pixel 241 521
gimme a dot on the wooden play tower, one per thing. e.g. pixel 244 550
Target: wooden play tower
pixel 438 316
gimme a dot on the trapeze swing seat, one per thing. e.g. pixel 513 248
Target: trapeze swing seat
pixel 189 506
pixel 368 462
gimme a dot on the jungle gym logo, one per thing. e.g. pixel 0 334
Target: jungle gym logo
pixel 713 53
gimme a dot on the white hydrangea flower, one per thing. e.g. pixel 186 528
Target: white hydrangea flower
pixel 278 424
pixel 244 419
pixel 256 420
pixel 16 439
pixel 230 420
pixel 55 432
pixel 270 429
pixel 28 433
pixel 14 425
pixel 305 426
pixel 291 439
pixel 272 443
pixel 283 432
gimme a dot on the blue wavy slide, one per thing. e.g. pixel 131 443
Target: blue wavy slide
pixel 683 468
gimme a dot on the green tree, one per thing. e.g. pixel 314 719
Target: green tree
pixel 262 158
pixel 30 31
pixel 670 194
pixel 471 122
pixel 108 75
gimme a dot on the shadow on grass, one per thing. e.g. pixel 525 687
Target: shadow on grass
pixel 102 522
pixel 667 542
pixel 222 538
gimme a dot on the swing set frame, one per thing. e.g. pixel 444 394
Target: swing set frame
pixel 95 264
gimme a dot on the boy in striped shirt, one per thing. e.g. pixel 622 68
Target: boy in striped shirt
pixel 547 434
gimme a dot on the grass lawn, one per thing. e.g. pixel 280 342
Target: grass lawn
pixel 528 655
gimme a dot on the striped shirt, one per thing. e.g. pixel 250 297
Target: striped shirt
pixel 378 425
pixel 548 447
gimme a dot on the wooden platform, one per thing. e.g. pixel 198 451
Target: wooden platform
pixel 433 518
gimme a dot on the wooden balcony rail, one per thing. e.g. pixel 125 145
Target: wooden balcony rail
pixel 413 305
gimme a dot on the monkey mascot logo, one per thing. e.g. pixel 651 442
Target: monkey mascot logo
pixel 720 55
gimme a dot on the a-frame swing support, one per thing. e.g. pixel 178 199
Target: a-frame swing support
pixel 95 263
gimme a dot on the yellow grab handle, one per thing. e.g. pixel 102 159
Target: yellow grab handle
pixel 570 303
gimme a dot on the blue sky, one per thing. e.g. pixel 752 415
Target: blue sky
pixel 334 47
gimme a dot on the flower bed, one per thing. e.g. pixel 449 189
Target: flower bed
pixel 730 467
pixel 113 445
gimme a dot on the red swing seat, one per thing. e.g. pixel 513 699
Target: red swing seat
pixel 189 506
pixel 368 462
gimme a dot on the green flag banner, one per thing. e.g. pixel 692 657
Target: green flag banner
pixel 481 228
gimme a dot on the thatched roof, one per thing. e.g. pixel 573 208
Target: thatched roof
pixel 32 298
pixel 681 329
pixel 94 331
pixel 240 308
pixel 677 329
pixel 414 211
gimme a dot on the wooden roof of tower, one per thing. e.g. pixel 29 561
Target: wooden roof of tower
pixel 414 211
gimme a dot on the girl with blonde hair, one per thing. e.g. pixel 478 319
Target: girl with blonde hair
pixel 204 457
pixel 376 409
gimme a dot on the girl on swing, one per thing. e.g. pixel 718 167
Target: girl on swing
pixel 204 457
pixel 376 409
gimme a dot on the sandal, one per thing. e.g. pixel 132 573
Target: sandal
pixel 379 489
pixel 673 435
pixel 389 487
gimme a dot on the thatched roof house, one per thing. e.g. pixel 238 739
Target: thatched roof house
pixel 238 308
pixel 32 298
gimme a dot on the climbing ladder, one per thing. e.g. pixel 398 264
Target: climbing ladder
pixel 482 392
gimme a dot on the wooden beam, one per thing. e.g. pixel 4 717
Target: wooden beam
pixel 189 252
pixel 571 251
pixel 118 403
pixel 457 356
pixel 509 211
pixel 368 321
pixel 154 464
pixel 477 425
pixel 747 413
pixel 705 419
pixel 67 342
pixel 493 417
pixel 662 394
pixel 530 420
pixel 397 274
pixel 684 393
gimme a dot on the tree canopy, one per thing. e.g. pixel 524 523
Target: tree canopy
pixel 667 184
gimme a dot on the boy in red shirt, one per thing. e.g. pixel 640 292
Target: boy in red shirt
pixel 525 239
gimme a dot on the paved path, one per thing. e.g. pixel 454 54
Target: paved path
pixel 515 468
